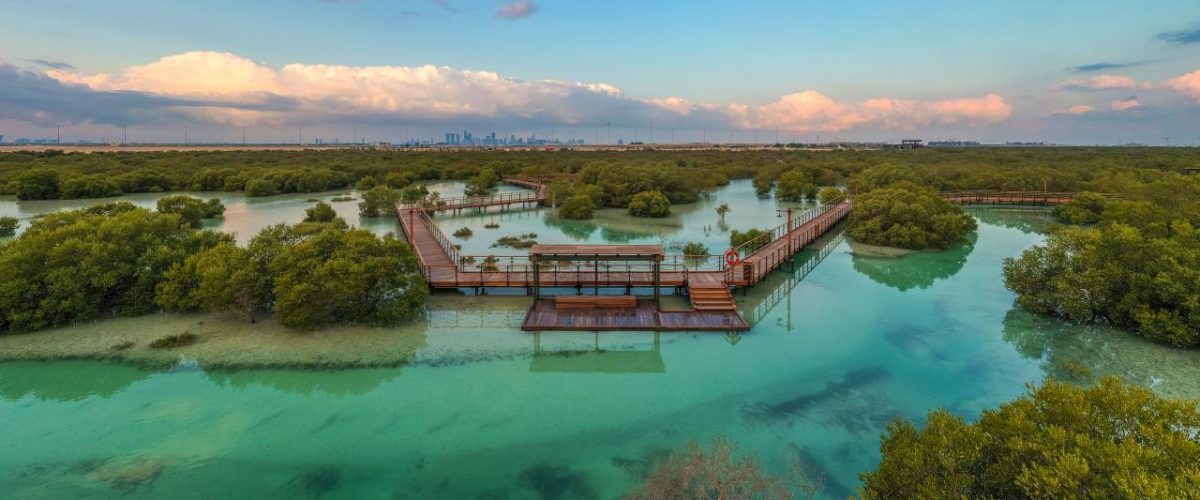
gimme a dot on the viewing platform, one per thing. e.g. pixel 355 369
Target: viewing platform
pixel 705 280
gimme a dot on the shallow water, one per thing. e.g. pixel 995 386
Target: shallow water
pixel 840 345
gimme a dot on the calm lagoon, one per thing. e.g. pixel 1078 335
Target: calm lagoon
pixel 840 345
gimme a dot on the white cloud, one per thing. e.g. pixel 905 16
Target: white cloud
pixel 1188 85
pixel 237 90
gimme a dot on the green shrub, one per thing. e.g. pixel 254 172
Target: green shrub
pixel 378 201
pixel 9 225
pixel 695 249
pixel 649 204
pixel 905 215
pixel 578 207
pixel 321 212
pixel 465 232
pixel 191 210
pixel 739 238
pixel 1059 441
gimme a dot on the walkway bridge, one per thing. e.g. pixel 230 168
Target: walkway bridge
pixel 706 280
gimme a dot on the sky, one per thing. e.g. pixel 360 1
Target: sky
pixel 1068 71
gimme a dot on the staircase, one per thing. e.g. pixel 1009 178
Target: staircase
pixel 711 299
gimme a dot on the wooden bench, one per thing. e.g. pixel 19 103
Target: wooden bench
pixel 595 302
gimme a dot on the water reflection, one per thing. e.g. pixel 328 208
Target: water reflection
pixel 1085 353
pixel 778 287
pixel 918 270
pixel 1026 220
pixel 571 358
pixel 576 230
pixel 66 380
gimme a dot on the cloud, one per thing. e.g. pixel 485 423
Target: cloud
pixel 1077 110
pixel 811 111
pixel 1188 85
pixel 1181 37
pixel 224 88
pixel 517 9
pixel 1090 68
pixel 1099 82
pixel 1125 104
pixel 445 4
pixel 51 64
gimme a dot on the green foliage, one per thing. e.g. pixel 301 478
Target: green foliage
pixel 520 242
pixel 365 184
pixel 904 215
pixel 191 210
pixel 739 238
pixel 260 187
pixel 579 207
pixel 1108 441
pixel 216 279
pixel 830 195
pixel 650 204
pixel 695 249
pixel 9 225
pixel 88 186
pixel 1147 280
pixel 74 266
pixel 413 193
pixel 795 185
pixel 397 180
pixel 464 232
pixel 1085 208
pixel 723 209
pixel 38 184
pixel 313 274
pixel 321 212
pixel 482 183
pixel 380 200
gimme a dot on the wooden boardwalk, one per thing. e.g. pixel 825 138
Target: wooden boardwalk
pixel 713 307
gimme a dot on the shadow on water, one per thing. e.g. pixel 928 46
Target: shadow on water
pixel 308 382
pixel 850 403
pixel 918 270
pixel 551 482
pixel 67 380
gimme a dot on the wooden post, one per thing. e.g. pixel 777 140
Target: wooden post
pixel 537 278
pixel 657 283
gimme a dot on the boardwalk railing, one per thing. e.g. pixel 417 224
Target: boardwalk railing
pixel 770 250
pixel 410 216
pixel 461 202
pixel 1013 197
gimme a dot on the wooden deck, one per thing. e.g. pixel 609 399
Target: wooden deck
pixel 758 265
pixel 645 317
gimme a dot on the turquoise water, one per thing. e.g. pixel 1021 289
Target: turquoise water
pixel 838 347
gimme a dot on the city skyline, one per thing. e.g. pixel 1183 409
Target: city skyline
pixel 399 70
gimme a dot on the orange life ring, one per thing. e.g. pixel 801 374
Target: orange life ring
pixel 732 257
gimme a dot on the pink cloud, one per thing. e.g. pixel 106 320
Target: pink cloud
pixel 1077 110
pixel 517 9
pixel 1125 104
pixel 1188 85
pixel 811 111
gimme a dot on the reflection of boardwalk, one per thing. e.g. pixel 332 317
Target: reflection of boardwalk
pixel 646 316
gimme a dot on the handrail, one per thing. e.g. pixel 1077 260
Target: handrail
pixel 749 247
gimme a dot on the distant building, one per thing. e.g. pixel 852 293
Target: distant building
pixel 953 144
pixel 911 144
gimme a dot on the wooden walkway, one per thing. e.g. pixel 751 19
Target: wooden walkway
pixel 713 307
